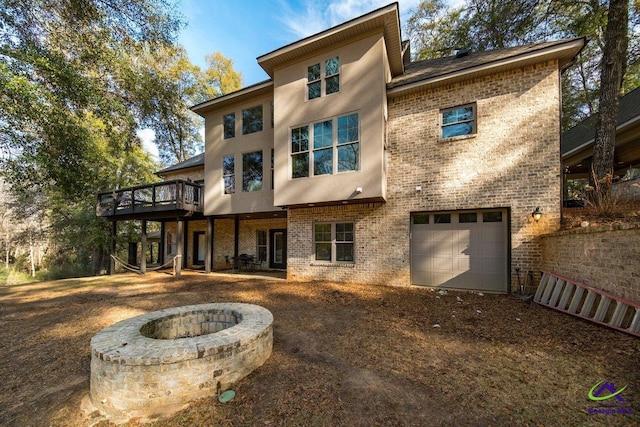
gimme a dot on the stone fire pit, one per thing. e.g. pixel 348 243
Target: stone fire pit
pixel 155 363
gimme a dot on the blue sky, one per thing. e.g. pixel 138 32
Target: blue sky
pixel 242 30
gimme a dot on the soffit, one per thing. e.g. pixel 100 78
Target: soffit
pixel 259 89
pixel 386 19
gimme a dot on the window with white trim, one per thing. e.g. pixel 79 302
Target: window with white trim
pixel 323 78
pixel 252 172
pixel 229 125
pixel 252 120
pixel 228 174
pixel 335 147
pixel 334 242
pixel 458 121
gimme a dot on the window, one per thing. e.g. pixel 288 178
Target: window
pixel 421 219
pixel 228 175
pixel 252 120
pixel 348 143
pixel 331 81
pixel 300 152
pixel 171 243
pixel 261 245
pixel 322 148
pixel 229 124
pixel 442 218
pixel 313 81
pixel 272 168
pixel 252 171
pixel 334 242
pixel 332 75
pixel 492 217
pixel 336 147
pixel 458 121
pixel 467 217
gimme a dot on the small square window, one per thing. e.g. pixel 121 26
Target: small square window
pixel 458 121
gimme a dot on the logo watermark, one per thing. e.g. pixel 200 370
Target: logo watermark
pixel 607 392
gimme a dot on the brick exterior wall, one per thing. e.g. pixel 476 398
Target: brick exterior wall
pixel 223 240
pixel 512 162
pixel 606 257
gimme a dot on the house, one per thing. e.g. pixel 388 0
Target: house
pixel 577 146
pixel 354 164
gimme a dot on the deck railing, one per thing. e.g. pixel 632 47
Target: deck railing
pixel 174 195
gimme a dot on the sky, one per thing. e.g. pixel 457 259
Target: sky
pixel 242 30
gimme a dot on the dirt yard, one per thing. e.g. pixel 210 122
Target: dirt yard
pixel 343 355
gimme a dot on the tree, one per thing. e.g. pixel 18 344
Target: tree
pixel 437 30
pixel 612 70
pixel 167 85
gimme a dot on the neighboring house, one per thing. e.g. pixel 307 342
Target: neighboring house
pixel 354 164
pixel 577 145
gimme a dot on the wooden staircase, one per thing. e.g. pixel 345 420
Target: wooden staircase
pixel 586 302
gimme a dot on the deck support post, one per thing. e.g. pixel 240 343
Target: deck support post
pixel 112 248
pixel 143 244
pixel 208 257
pixel 236 243
pixel 179 247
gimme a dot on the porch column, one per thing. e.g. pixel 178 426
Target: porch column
pixel 143 243
pixel 112 248
pixel 179 247
pixel 208 256
pixel 236 242
pixel 161 250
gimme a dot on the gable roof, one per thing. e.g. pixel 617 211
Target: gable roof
pixel 452 68
pixel 192 162
pixel 386 18
pixel 583 134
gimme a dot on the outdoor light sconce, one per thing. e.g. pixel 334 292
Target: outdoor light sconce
pixel 536 214
pixel 359 190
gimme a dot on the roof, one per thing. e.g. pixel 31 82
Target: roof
pixel 584 132
pixel 386 18
pixel 237 96
pixel 192 162
pixel 436 71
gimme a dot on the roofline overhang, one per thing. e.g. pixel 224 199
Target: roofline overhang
pixel 621 127
pixel 248 92
pixel 390 22
pixel 569 49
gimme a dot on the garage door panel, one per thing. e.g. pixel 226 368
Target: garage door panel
pixel 467 255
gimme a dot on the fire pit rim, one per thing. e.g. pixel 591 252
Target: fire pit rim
pixel 124 343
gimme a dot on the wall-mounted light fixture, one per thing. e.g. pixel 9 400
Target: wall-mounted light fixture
pixel 418 187
pixel 536 214
pixel 358 190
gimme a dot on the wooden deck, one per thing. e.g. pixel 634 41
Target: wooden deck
pixel 166 198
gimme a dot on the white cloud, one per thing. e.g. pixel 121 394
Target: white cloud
pixel 147 136
pixel 311 17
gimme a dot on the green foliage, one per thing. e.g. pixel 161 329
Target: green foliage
pixel 438 30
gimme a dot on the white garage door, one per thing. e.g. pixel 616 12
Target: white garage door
pixel 460 250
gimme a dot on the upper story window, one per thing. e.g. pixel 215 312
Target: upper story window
pixel 229 124
pixel 458 121
pixel 324 76
pixel 252 120
pixel 335 147
pixel 228 174
pixel 252 171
